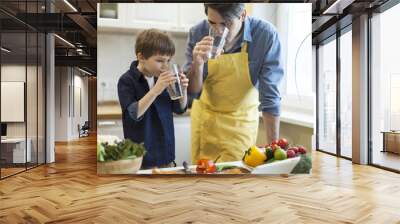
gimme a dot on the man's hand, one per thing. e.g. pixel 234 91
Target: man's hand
pixel 184 82
pixel 165 79
pixel 202 50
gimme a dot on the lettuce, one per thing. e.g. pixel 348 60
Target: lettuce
pixel 125 149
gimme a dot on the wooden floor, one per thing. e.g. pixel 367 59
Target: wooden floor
pixel 69 191
pixel 387 159
pixel 10 171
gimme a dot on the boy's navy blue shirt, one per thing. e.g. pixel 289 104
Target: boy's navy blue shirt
pixel 155 127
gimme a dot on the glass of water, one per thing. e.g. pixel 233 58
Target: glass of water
pixel 175 90
pixel 219 35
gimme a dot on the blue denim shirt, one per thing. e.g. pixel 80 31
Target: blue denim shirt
pixel 155 127
pixel 265 64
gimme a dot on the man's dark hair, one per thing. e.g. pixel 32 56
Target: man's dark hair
pixel 228 11
pixel 151 42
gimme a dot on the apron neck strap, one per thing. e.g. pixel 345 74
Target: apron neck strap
pixel 244 47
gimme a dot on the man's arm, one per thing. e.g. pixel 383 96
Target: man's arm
pixel 269 79
pixel 196 55
pixel 195 76
pixel 271 124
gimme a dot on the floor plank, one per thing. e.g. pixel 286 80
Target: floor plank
pixel 69 191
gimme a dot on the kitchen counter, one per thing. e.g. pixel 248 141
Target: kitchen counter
pixel 109 110
pixel 278 167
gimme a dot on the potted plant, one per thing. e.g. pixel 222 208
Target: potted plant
pixel 119 157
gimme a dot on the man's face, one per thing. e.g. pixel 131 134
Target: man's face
pixel 155 64
pixel 218 22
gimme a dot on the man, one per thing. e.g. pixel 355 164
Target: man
pixel 235 85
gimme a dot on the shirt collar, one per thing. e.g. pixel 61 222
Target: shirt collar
pixel 135 71
pixel 247 30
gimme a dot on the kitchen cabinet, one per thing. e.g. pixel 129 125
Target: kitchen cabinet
pixel 182 127
pixel 111 16
pixel 150 15
pixel 110 127
pixel 172 17
pixel 190 15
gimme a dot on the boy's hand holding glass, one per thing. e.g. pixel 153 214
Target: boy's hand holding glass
pixel 165 79
pixel 175 89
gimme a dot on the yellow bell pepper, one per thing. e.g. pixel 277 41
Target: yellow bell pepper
pixel 254 156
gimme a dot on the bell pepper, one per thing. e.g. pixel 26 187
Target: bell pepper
pixel 254 156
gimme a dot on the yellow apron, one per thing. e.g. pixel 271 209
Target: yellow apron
pixel 225 118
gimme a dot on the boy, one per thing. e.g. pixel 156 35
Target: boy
pixel 146 106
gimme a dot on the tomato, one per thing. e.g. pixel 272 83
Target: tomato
pixel 283 143
pixel 302 150
pixel 205 166
pixel 274 142
pixel 295 149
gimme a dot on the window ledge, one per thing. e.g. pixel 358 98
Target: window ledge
pixel 301 119
pixel 297 118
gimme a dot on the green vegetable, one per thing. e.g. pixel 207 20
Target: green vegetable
pixel 125 149
pixel 270 160
pixel 224 167
pixel 303 166
pixel 269 153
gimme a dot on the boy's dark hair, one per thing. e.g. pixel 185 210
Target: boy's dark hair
pixel 228 11
pixel 152 41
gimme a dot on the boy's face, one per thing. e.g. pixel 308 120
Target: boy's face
pixel 154 65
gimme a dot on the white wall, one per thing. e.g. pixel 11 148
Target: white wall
pixel 33 126
pixel 17 73
pixel 61 103
pixel 264 11
pixel 68 83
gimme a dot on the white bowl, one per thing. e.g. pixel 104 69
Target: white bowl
pixel 278 167
pixel 127 166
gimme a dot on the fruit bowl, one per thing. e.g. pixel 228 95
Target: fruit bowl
pixel 278 167
pixel 126 166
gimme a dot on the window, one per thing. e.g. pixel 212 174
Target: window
pixel 327 97
pixel 385 88
pixel 297 88
pixel 346 94
pixel 22 65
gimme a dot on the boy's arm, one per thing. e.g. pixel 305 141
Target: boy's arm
pixel 127 98
pixel 162 82
pixel 146 102
pixel 127 95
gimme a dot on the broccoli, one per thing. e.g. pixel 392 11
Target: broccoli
pixel 303 166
